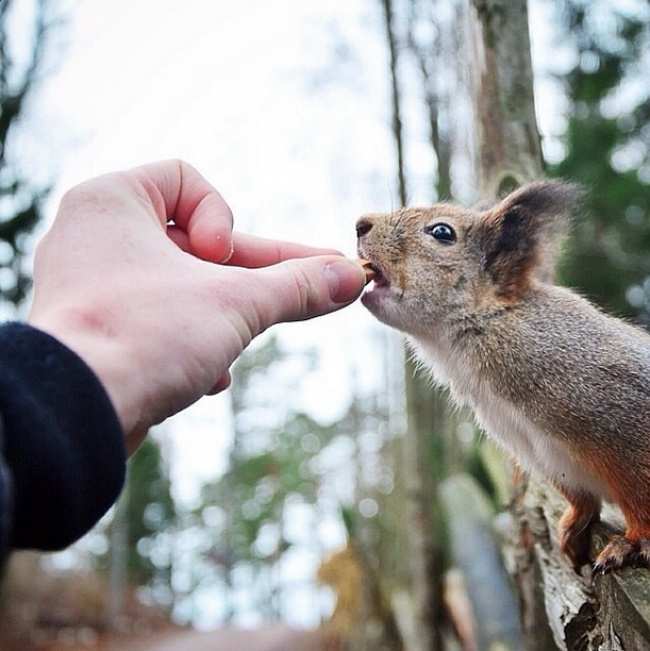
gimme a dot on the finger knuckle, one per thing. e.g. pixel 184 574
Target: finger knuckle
pixel 306 296
pixel 92 192
pixel 76 194
pixel 184 168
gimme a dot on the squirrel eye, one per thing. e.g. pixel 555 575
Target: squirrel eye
pixel 442 232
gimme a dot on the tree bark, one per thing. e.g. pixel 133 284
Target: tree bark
pixel 509 149
pixel 583 612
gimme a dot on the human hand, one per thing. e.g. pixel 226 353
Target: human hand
pixel 126 277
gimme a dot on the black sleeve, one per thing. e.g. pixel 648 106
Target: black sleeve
pixel 63 459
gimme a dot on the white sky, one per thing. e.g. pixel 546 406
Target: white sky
pixel 283 105
pixel 253 95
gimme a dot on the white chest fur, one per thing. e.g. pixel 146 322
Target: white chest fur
pixel 533 448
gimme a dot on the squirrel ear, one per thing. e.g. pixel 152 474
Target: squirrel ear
pixel 521 236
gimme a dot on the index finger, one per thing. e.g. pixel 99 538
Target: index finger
pixel 178 192
pixel 252 251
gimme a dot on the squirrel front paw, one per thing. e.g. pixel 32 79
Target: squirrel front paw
pixel 621 551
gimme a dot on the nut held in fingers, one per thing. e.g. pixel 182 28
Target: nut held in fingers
pixel 368 268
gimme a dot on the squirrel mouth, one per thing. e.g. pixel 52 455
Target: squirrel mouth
pixel 379 278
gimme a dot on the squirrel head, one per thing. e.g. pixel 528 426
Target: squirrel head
pixel 447 262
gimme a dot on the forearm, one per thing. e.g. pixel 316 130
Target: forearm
pixel 89 336
pixel 63 443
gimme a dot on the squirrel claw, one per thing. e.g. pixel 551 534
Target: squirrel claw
pixel 618 552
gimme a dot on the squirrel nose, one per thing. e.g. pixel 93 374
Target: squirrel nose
pixel 364 226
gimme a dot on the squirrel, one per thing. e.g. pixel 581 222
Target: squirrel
pixel 559 384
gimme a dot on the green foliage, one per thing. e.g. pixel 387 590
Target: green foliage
pixel 269 460
pixel 139 549
pixel 20 201
pixel 149 511
pixel 276 462
pixel 607 142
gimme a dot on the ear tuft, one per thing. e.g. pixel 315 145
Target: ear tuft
pixel 521 236
pixel 544 199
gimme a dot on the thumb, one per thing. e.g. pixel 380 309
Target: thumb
pixel 304 288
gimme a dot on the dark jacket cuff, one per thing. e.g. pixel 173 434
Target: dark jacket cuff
pixel 63 443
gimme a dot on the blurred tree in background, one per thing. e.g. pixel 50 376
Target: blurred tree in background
pixel 285 466
pixel 607 148
pixel 423 440
pixel 269 473
pixel 138 551
pixel 20 202
pixel 150 510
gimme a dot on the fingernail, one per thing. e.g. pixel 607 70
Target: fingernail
pixel 228 255
pixel 345 280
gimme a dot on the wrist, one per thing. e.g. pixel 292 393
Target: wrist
pixel 104 354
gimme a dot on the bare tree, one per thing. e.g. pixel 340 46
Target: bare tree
pixel 428 54
pixel 509 154
pixel 396 104
pixel 21 206
pixel 422 506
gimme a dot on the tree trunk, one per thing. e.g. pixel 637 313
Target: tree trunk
pixel 422 507
pixel 509 148
pixel 423 456
pixel 560 609
pixel 509 154
pixel 428 57
pixel 118 570
pixel 396 112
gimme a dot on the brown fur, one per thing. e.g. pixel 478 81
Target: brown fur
pixel 561 385
pixel 583 510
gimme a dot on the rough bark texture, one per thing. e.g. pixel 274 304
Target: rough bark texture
pixel 508 155
pixel 584 612
pixel 559 608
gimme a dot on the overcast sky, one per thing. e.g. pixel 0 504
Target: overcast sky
pixel 280 104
